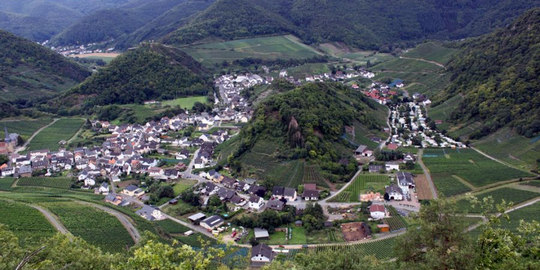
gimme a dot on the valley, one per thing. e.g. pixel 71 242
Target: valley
pixel 297 140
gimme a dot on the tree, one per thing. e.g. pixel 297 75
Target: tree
pixel 439 241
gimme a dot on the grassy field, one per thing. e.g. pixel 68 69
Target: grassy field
pixel 56 182
pixel 5 183
pixel 298 237
pixel 356 56
pixel 28 224
pixel 516 196
pixel 25 128
pixel 362 184
pixel 183 184
pixel 49 138
pixel 107 57
pixel 187 102
pixel 432 52
pixel 308 70
pixel 94 226
pixel 172 227
pixel 509 147
pixel 267 48
pixel 448 166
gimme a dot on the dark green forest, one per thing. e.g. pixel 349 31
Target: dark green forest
pixel 498 74
pixel 149 72
pixel 308 122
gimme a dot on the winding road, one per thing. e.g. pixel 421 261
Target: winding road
pixel 51 218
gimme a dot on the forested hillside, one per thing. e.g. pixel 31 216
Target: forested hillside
pixel 149 72
pixel 360 23
pixel 306 123
pixel 498 75
pixel 28 70
pixel 107 24
pixel 39 20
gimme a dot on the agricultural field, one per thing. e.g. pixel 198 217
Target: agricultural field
pixel 422 187
pixel 460 170
pixel 444 110
pixel 531 184
pixel 5 183
pixel 516 196
pixel 509 147
pixel 52 182
pixel 28 224
pixel 107 57
pixel 94 226
pixel 312 176
pixel 308 70
pixel 432 52
pixel 381 249
pixel 25 128
pixel 266 48
pixel 356 56
pixel 528 214
pixel 172 227
pixel 361 184
pixel 50 137
pixel 395 221
pixel 407 66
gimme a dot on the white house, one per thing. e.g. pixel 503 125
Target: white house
pixel 377 211
pixel 104 188
pixel 394 192
pixel 391 166
pixel 262 253
pixel 89 182
pixel 256 202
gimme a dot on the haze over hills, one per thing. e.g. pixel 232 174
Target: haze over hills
pixel 498 76
pixel 149 72
pixel 29 70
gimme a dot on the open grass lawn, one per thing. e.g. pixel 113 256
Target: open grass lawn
pixel 447 166
pixel 28 224
pixel 516 196
pixel 433 52
pixel 187 102
pixel 267 48
pixel 509 147
pixel 5 183
pixel 93 225
pixel 298 237
pixel 49 138
pixel 183 184
pixel 362 184
pixel 25 128
pixel 52 182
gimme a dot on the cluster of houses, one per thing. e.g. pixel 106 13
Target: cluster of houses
pixel 401 190
pixel 75 50
pixel 349 73
pixel 408 120
pixel 234 106
pixel 380 92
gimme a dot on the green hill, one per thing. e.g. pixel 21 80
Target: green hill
pixel 149 72
pixel 303 124
pixel 363 24
pixel 498 76
pixel 29 71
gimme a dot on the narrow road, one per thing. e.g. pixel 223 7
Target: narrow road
pixel 126 221
pixel 23 147
pixel 381 145
pixel 51 218
pixel 427 174
pixel 484 219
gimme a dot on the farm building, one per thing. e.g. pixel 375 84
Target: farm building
pixel 196 218
pixel 212 222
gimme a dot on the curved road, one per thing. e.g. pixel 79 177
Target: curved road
pixel 51 218
pixel 126 221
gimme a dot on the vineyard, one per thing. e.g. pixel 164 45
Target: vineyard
pixel 467 164
pixel 50 137
pixel 335 237
pixel 25 128
pixel 172 227
pixel 507 194
pixel 59 182
pixel 94 226
pixel 395 221
pixel 361 184
pixel 5 183
pixel 527 214
pixel 381 249
pixel 28 224
pixel 312 176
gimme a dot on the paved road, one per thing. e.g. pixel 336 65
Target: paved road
pixel 23 147
pixel 51 218
pixel 427 174
pixel 126 221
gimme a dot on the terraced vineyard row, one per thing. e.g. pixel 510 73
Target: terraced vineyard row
pixel 395 221
pixel 57 182
pixel 26 222
pixel 312 176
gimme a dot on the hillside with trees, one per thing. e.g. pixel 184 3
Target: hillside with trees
pixel 28 70
pixel 149 72
pixel 380 25
pixel 498 76
pixel 306 123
